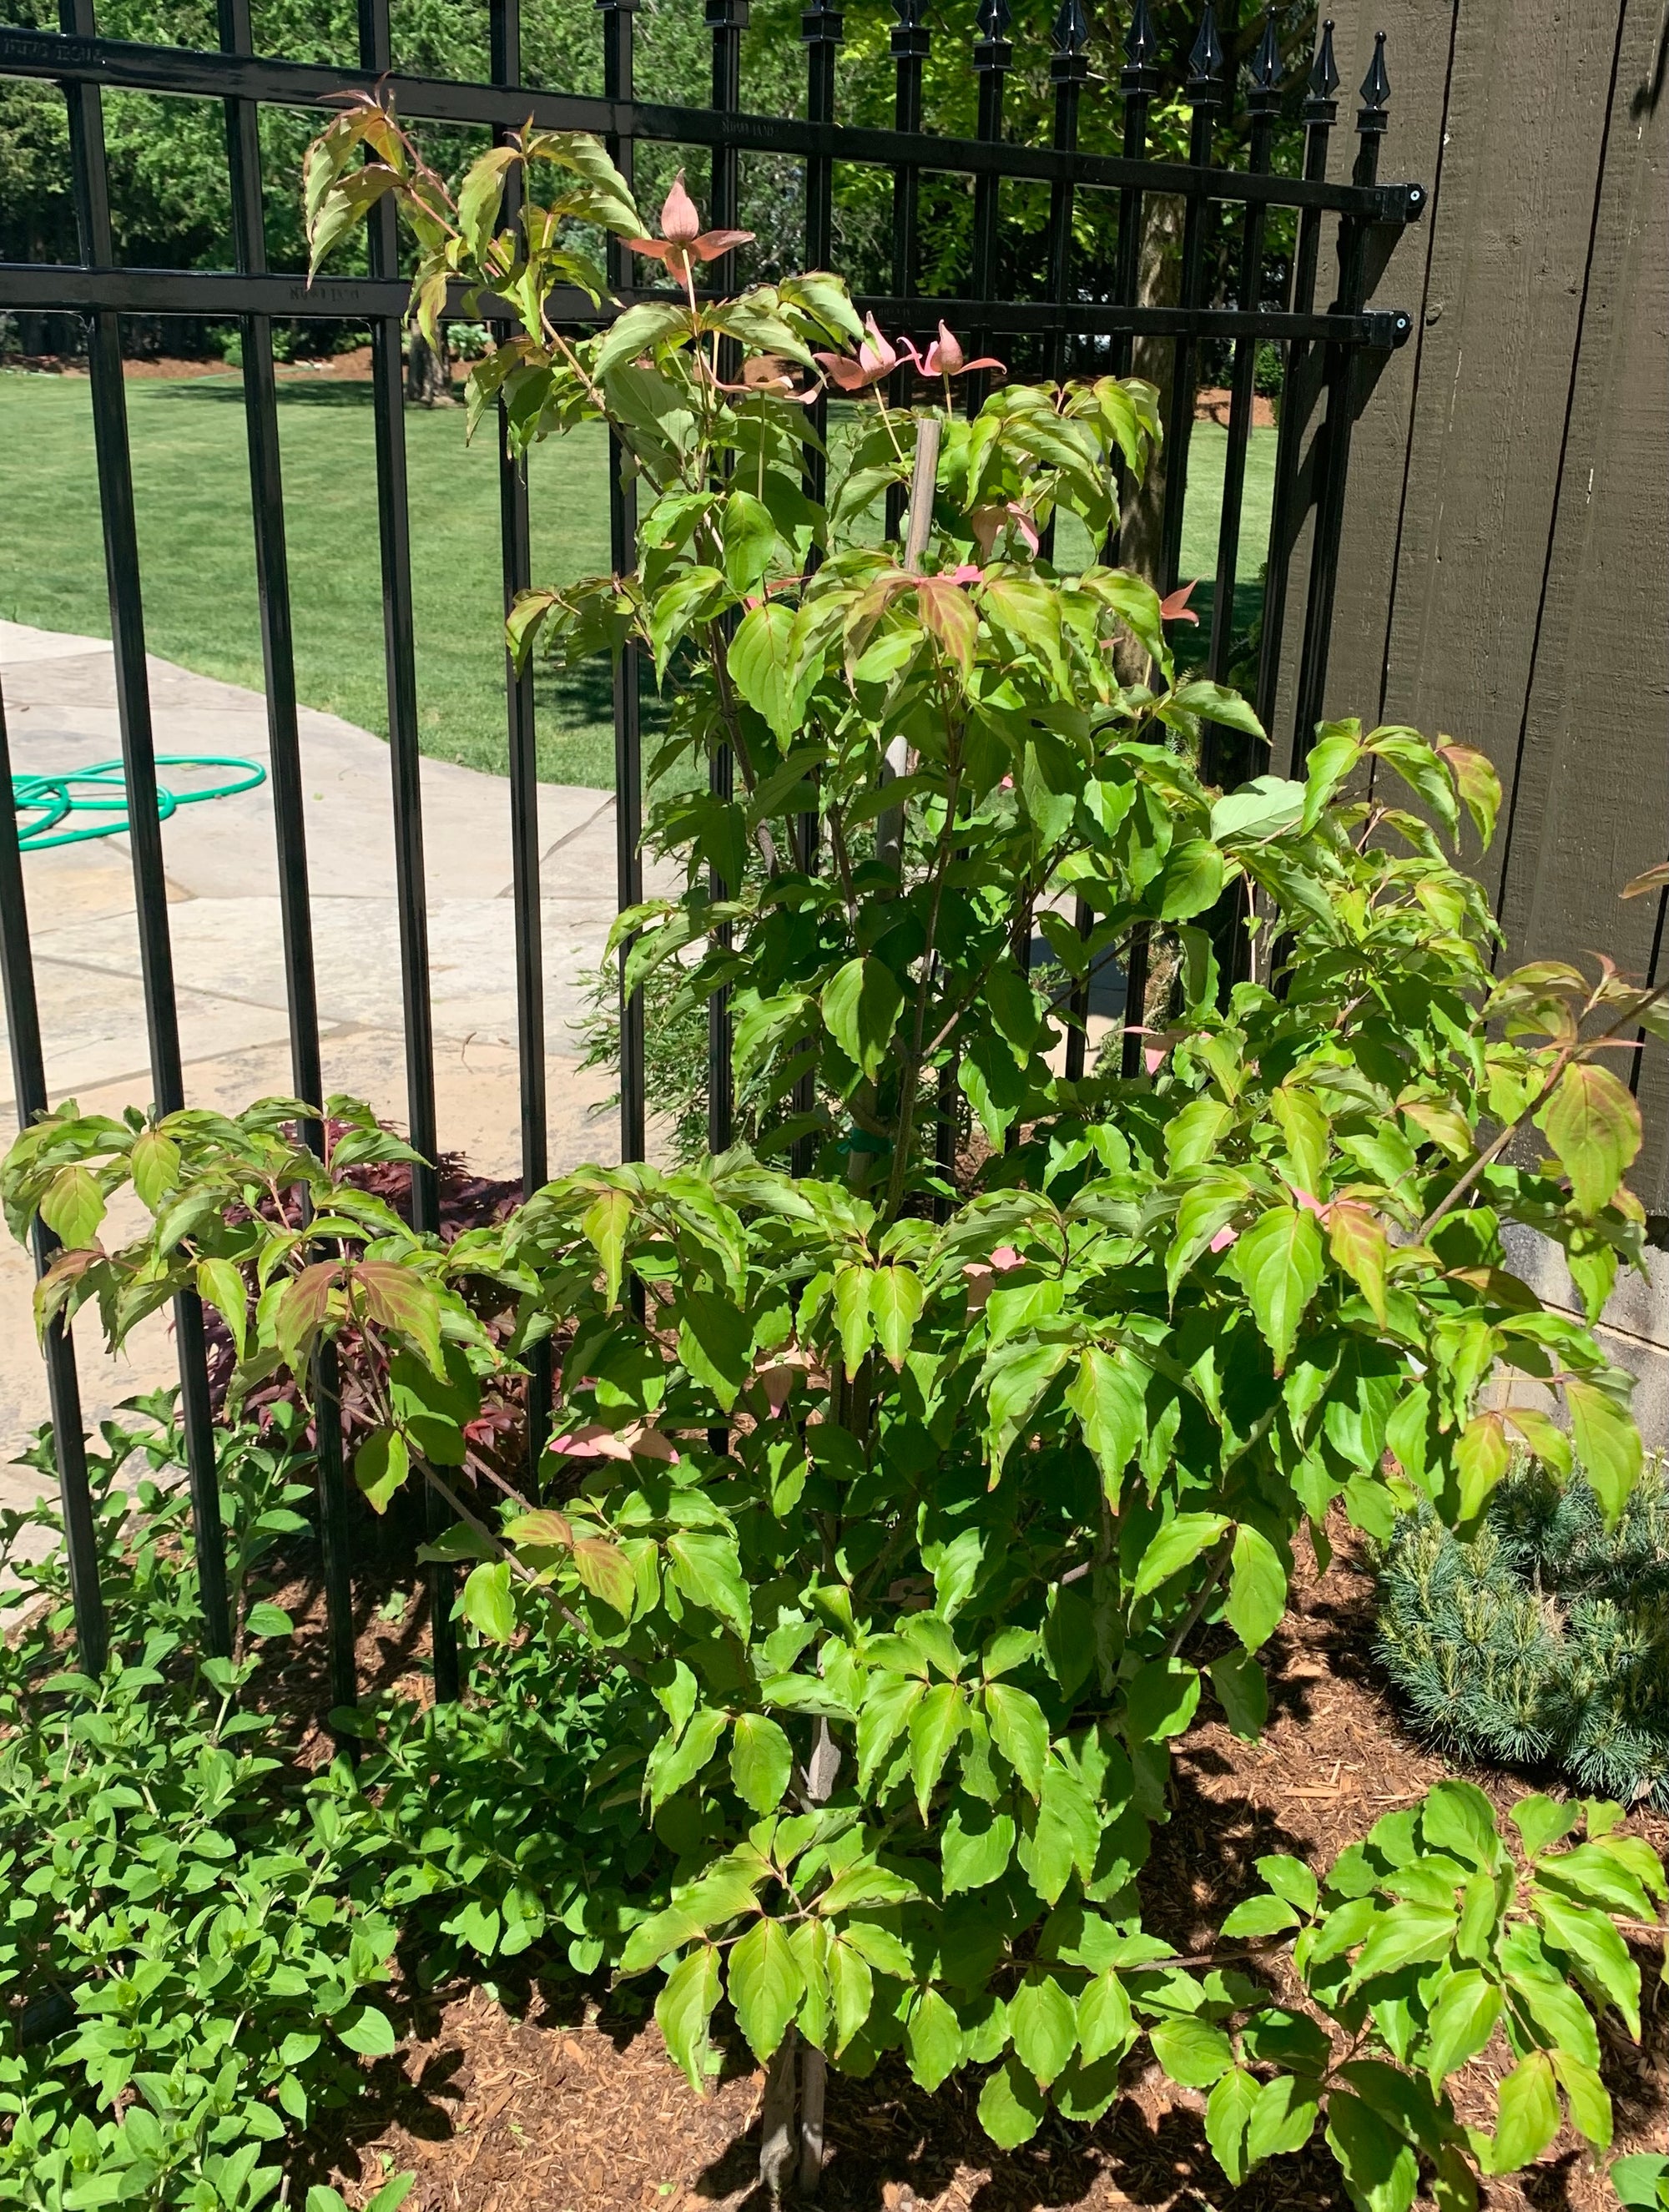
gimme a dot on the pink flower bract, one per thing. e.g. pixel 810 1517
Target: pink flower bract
pixel 683 242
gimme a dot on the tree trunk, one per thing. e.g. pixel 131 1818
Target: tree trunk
pixel 428 374
pixel 776 2129
pixel 1159 284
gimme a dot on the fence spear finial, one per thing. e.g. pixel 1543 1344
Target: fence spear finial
pixel 995 17
pixel 1140 42
pixel 1375 87
pixel 1071 32
pixel 1324 71
pixel 1206 59
pixel 908 13
pixel 1266 62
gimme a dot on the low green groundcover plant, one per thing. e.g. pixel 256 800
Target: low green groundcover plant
pixel 1542 1640
pixel 201 1935
pixel 902 1508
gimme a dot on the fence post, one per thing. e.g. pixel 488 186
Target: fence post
pixel 63 1387
pixel 127 630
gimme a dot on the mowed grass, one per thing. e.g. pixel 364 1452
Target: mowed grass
pixel 197 554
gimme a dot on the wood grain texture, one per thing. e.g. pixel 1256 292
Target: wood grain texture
pixel 1592 789
pixel 1418 59
pixel 1509 244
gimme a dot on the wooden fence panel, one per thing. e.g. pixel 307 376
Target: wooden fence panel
pixel 1505 575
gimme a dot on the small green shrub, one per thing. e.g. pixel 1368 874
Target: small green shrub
pixel 1543 1639
pixel 199 1931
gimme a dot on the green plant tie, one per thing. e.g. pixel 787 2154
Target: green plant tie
pixel 43 803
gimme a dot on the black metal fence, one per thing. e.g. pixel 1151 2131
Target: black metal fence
pixel 1328 354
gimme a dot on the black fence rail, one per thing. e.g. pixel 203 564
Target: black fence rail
pixel 1329 352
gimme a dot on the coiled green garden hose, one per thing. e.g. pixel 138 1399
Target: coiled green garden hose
pixel 100 789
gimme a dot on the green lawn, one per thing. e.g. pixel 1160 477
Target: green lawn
pixel 192 488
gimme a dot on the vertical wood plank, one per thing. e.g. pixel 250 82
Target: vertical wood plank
pixel 1528 94
pixel 1593 791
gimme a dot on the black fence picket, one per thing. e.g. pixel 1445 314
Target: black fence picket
pixel 1084 321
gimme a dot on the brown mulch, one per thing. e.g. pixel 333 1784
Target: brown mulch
pixel 547 2102
pixel 1211 404
pixel 355 363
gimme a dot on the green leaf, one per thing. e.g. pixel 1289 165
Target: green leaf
pixel 934 1725
pixel 1593 1125
pixel 895 1300
pixel 1402 1935
pixel 765 1986
pixel 1283 2119
pixel 608 1573
pixel 675 1760
pixel 637 330
pixel 604 1225
pixel 684 2008
pixel 1044 2022
pixel 1607 1445
pixel 750 539
pixel 861 1006
pixel 1011 2105
pixel 73 1206
pixel 1020 1732
pixel 932 2039
pixel 1191 2051
pixel 976 1842
pixel 221 1285
pixel 852 1987
pixel 269 1619
pixel 1542 1821
pixel 399 1300
pixel 155 1161
pixel 1381 2170
pixel 1107 1395
pixel 488 1602
pixel 1279 1263
pixel 1458 1818
pixel 1528 2119
pixel 1258 809
pixel 1227 2111
pixel 1257 1589
pixel 1106 2027
pixel 1243 1691
pixel 1357 1241
pixel 1260 1916
pixel 713 1341
pixel 1178 1544
pixel 879 1947
pixel 1462 2021
pixel 1291 1879
pixel 707 1570
pixel 380 1466
pixel 1640 2180
pixel 366 2030
pixel 1481 1460
pixel 1162 1700
pixel 1595 1949
pixel 761 1761
pixel 1585 2094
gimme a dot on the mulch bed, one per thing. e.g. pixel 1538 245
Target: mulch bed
pixel 557 2100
